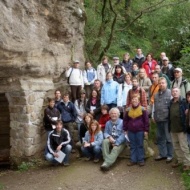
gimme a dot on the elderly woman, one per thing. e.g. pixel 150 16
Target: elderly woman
pixel 136 126
pixel 92 143
pixel 114 137
pixel 109 91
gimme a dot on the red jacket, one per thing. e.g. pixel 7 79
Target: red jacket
pixel 103 119
pixel 145 65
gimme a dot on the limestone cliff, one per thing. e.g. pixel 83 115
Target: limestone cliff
pixel 39 38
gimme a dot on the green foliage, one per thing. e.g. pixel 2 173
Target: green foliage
pixel 153 25
pixel 186 179
pixel 25 166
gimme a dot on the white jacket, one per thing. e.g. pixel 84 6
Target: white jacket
pixel 101 73
pixel 75 76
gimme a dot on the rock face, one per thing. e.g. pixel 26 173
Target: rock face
pixel 39 38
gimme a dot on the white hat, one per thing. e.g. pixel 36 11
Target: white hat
pixel 116 58
pixel 178 69
pixel 165 58
pixel 76 61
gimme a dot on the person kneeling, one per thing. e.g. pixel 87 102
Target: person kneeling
pixel 136 126
pixel 92 142
pixel 58 143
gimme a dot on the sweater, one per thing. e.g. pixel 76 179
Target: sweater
pixel 103 119
pixel 136 119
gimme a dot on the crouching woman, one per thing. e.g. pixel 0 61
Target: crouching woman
pixel 136 126
pixel 92 142
pixel 59 140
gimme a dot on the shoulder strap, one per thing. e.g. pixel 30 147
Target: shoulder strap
pixel 69 75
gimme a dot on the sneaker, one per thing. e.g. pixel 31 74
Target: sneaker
pixel 158 158
pixel 87 159
pixel 141 164
pixel 168 160
pixel 66 164
pixel 131 163
pixel 96 160
pixel 104 167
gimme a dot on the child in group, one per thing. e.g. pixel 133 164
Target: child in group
pixel 104 117
pixel 92 144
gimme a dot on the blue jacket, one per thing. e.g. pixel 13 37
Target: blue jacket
pixel 109 92
pixel 68 112
pixel 118 135
pixel 182 107
pixel 98 138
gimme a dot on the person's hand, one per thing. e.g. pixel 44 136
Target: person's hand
pixel 126 132
pixel 111 139
pixel 59 148
pixel 146 135
pixel 153 120
pixel 56 155
pixel 186 111
pixel 92 112
pixel 86 144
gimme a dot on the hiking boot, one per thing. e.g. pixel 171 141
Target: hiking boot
pixel 131 163
pixel 66 164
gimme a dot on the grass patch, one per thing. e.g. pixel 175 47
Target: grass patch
pixel 186 180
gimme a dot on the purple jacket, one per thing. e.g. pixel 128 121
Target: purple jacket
pixel 140 122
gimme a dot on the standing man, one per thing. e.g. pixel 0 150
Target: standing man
pixel 102 69
pixel 127 63
pixel 58 140
pixel 160 74
pixel 114 138
pixel 162 55
pixel 178 129
pixel 139 58
pixel 180 82
pixel 139 91
pixel 144 81
pixel 57 97
pixel 68 114
pixel 115 63
pixel 161 117
pixel 75 80
pixel 167 68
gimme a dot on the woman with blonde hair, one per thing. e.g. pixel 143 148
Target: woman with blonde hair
pixel 92 142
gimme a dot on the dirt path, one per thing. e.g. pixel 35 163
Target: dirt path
pixel 82 175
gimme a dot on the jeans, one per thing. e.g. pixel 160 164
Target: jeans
pixel 94 151
pixel 136 146
pixel 164 141
pixel 66 149
pixel 112 105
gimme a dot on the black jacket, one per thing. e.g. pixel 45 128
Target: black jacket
pixel 54 140
pixel 49 113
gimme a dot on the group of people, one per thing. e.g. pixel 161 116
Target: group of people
pixel 113 105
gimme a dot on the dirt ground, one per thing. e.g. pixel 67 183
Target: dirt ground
pixel 83 175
